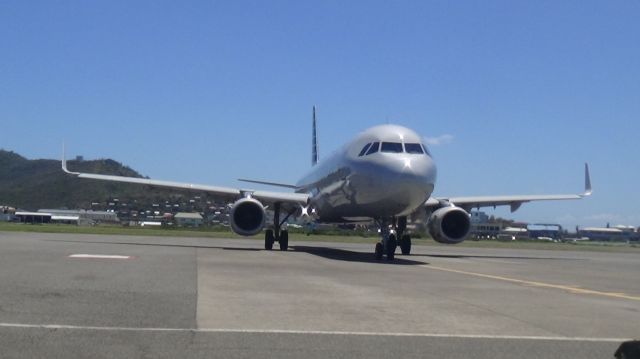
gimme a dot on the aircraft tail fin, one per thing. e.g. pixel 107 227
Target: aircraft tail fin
pixel 314 141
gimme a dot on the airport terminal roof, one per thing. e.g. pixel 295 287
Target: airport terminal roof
pixel 598 229
pixel 188 215
pixel 23 213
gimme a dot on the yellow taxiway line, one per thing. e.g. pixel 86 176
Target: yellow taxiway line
pixel 567 288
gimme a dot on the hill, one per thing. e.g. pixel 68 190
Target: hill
pixel 41 183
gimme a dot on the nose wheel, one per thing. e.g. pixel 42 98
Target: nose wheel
pixel 391 247
pixel 379 251
pixel 388 243
pixel 386 247
pixel 405 244
pixel 391 240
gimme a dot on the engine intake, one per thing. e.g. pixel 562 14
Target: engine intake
pixel 449 225
pixel 247 216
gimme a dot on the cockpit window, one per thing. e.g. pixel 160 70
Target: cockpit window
pixel 364 149
pixel 413 148
pixel 373 148
pixel 426 150
pixel 393 147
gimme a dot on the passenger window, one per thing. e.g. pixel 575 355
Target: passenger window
pixel 413 148
pixel 393 147
pixel 373 148
pixel 364 149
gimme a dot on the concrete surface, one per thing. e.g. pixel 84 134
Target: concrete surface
pixel 198 297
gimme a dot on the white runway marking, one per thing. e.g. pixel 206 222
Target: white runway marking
pixel 316 332
pixel 99 256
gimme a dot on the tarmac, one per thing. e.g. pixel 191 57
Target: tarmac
pixel 101 296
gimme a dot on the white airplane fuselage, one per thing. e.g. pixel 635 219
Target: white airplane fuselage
pixel 393 180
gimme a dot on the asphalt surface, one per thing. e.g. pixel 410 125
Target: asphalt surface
pixel 198 297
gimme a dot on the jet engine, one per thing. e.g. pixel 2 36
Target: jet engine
pixel 449 225
pixel 247 216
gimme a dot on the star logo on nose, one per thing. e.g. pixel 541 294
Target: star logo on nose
pixel 407 163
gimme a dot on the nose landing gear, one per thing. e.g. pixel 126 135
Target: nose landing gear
pixel 405 244
pixel 405 239
pixel 389 238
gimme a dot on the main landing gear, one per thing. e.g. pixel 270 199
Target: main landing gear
pixel 270 237
pixel 276 234
pixel 389 241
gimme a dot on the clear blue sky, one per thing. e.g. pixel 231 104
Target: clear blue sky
pixel 207 92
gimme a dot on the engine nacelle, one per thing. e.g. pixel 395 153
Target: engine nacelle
pixel 449 225
pixel 247 216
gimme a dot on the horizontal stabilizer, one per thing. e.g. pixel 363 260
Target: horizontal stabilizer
pixel 269 183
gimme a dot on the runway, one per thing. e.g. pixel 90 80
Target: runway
pixel 64 295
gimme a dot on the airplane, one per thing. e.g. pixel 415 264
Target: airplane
pixel 385 174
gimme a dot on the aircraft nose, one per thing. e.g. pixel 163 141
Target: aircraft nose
pixel 413 182
pixel 415 169
pixel 393 185
pixel 417 174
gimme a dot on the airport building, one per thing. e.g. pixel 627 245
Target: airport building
pixel 485 230
pixel 184 219
pixel 513 233
pixel 33 217
pixel 481 228
pixel 478 217
pixel 80 216
pixel 7 213
pixel 609 234
pixel 542 230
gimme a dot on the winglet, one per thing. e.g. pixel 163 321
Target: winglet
pixel 587 181
pixel 64 163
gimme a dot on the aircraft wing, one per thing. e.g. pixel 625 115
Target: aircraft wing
pixel 514 201
pixel 228 193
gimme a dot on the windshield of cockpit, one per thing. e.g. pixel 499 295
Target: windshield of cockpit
pixel 394 147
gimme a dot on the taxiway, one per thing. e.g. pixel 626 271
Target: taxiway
pixel 64 295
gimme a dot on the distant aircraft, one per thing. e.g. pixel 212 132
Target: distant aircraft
pixel 384 174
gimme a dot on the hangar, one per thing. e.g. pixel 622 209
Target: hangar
pixel 33 217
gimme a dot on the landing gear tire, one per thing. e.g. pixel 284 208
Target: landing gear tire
pixel 284 240
pixel 378 253
pixel 268 239
pixel 391 247
pixel 405 244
